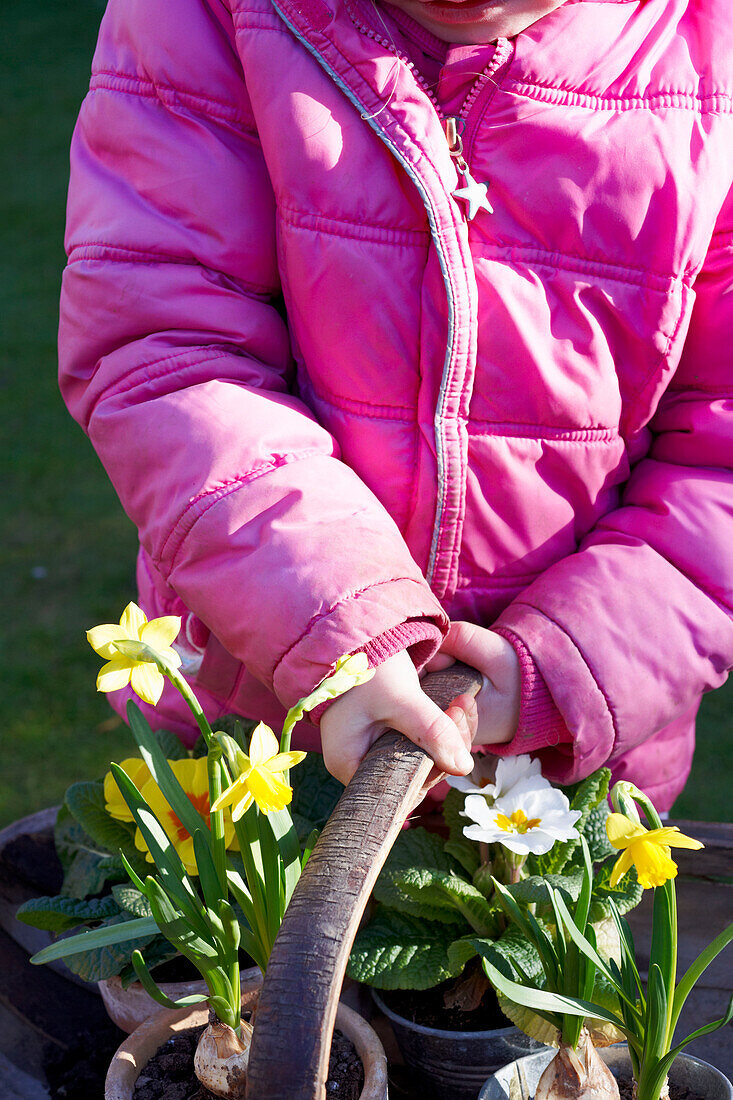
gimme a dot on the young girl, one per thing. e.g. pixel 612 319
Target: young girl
pixel 407 328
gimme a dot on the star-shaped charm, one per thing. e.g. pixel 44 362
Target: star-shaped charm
pixel 474 195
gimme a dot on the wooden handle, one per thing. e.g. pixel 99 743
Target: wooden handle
pixel 297 1004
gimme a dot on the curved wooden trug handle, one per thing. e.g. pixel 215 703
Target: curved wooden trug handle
pixel 297 1003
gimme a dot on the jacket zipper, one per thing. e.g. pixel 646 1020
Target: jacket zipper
pixel 373 122
pixel 390 47
pixel 483 91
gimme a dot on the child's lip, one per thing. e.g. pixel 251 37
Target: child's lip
pixel 456 10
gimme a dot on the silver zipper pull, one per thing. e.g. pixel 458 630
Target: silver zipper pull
pixel 471 192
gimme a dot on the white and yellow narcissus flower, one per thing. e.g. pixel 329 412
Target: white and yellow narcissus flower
pixel 132 650
pixel 524 820
pixel 494 778
pixel 260 776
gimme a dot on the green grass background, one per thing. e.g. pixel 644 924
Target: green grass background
pixel 67 551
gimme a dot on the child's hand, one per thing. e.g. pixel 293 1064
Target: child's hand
pixel 498 700
pixel 393 699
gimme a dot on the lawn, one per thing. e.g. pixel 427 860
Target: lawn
pixel 67 555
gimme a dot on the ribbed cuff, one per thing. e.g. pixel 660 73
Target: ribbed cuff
pixel 541 725
pixel 420 637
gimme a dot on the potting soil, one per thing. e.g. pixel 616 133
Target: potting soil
pixel 169 1074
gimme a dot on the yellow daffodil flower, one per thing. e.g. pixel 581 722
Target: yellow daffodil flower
pixel 130 650
pixel 259 779
pixel 137 770
pixel 193 776
pixel 647 849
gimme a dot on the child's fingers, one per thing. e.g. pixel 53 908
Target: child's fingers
pixel 475 645
pixel 445 737
pixel 439 662
pixel 343 755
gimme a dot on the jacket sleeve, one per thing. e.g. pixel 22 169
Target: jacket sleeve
pixel 629 631
pixel 175 358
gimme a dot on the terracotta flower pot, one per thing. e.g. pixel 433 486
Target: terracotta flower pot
pixel 452 1065
pixel 698 1076
pixel 139 1047
pixel 131 1007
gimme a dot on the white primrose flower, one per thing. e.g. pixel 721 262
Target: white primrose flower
pixel 524 820
pixel 494 779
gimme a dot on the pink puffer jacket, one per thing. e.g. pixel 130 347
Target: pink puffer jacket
pixel 271 332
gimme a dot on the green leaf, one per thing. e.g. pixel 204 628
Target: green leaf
pixel 115 931
pixel 583 796
pixel 315 792
pixel 146 980
pixel 511 946
pixel 416 848
pixel 663 949
pixel 453 804
pixel 626 895
pixel 438 895
pixel 208 878
pixel 533 890
pixel 594 831
pixel 696 970
pixel 197 947
pixel 171 746
pixel 89 874
pixel 706 1029
pixel 161 772
pixel 466 853
pixel 167 861
pixel 155 953
pixel 86 803
pixel 288 845
pixel 59 914
pixel 395 951
pixel 131 901
pixel 540 1000
pixel 656 1015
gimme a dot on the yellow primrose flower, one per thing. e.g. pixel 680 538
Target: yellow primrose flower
pixel 193 776
pixel 136 770
pixel 259 780
pixel 647 849
pixel 132 662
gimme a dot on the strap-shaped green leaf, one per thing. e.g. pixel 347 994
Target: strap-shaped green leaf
pixel 663 949
pixel 208 877
pixel 161 772
pixel 541 1000
pixel 148 983
pixel 167 861
pixel 286 837
pixel 548 951
pixel 666 1062
pixel 177 928
pixel 586 946
pixel 251 855
pixel 655 1022
pixel 274 881
pixel 134 877
pixel 582 909
pixel 628 975
pixel 99 937
pixel 223 1010
pixel 696 969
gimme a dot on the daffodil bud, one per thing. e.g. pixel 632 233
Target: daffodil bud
pixel 623 797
